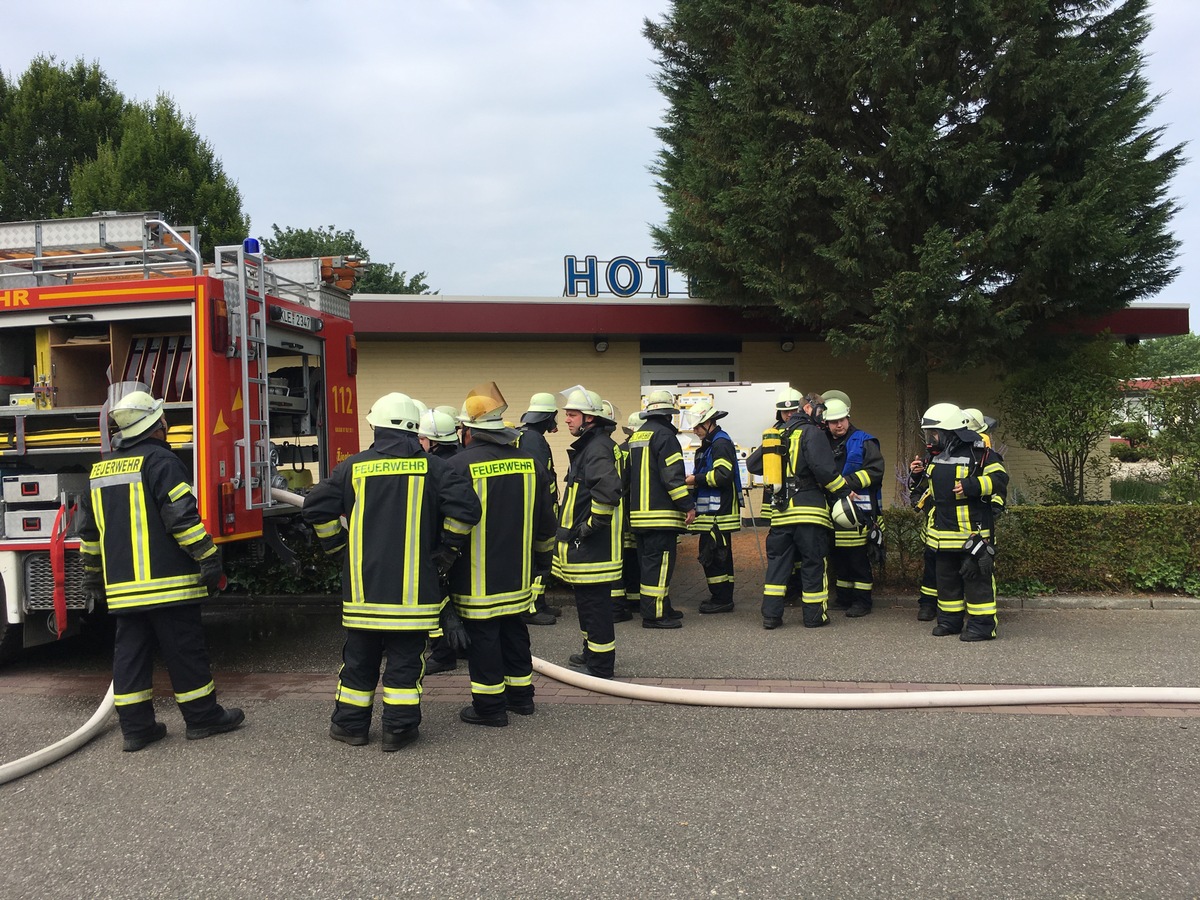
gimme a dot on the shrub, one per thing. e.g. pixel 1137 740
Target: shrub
pixel 1073 549
pixel 1126 453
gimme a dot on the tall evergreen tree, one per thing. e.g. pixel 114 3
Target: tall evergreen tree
pixel 162 164
pixel 53 118
pixel 927 182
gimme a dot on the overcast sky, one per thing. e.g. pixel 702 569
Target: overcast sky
pixel 479 142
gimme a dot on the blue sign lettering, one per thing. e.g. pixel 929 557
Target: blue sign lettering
pixel 624 276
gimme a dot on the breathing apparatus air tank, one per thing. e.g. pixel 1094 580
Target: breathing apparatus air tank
pixel 772 459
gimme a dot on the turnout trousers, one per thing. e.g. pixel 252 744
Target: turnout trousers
pixel 809 544
pixel 852 574
pixel 631 578
pixel 656 559
pixel 716 558
pixel 362 655
pixel 500 663
pixel 178 634
pixel 593 602
pixel 964 601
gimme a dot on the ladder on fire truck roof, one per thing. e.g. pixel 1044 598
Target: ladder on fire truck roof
pixel 247 309
pixel 106 246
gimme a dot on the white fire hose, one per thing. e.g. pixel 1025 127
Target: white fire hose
pixel 36 760
pixel 868 700
pixel 691 697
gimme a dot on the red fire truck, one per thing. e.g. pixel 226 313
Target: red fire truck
pixel 255 359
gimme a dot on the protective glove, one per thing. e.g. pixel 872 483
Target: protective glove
pixel 444 558
pixel 93 587
pixel 212 573
pixel 876 551
pixel 585 530
pixel 453 629
pixel 542 564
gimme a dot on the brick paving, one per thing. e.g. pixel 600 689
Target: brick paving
pixel 455 688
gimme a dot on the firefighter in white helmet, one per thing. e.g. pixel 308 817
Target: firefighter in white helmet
pixel 660 506
pixel 146 551
pixel 718 486
pixel 438 433
pixel 959 483
pixel 801 525
pixel 860 460
pixel 408 515
pixel 587 555
pixel 491 585
pixel 539 419
pixel 630 601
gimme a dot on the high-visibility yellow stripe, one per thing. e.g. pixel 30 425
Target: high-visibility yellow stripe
pixel 402 696
pixel 352 697
pixel 132 698
pixel 187 696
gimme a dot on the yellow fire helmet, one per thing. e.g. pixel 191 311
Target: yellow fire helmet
pixel 484 408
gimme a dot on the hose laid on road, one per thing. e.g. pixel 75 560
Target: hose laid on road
pixel 36 760
pixel 56 751
pixel 870 700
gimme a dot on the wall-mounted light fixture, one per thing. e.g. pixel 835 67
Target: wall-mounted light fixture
pixel 787 345
pixel 601 344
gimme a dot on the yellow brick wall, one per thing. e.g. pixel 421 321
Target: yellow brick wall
pixel 443 372
pixel 439 373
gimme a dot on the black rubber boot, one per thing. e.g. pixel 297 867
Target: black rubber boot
pixel 979 628
pixel 926 610
pixel 948 623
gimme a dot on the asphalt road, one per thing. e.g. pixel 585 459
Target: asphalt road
pixel 636 800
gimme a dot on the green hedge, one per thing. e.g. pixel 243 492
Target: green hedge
pixel 1072 549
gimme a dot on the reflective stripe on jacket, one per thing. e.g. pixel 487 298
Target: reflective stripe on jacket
pixel 494 575
pixel 399 509
pixel 141 525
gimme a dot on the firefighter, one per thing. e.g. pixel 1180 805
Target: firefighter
pixel 540 419
pixel 607 422
pixel 587 554
pixel 631 573
pixel 860 461
pixel 800 522
pixel 438 434
pixel 145 549
pixel 718 486
pixel 408 515
pixel 660 506
pixel 491 584
pixel 960 481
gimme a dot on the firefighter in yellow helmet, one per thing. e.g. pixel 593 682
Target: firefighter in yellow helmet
pixel 800 524
pixel 587 555
pixel 860 460
pixel 491 584
pixel 960 481
pixel 408 515
pixel 660 506
pixel 717 483
pixel 539 420
pixel 145 549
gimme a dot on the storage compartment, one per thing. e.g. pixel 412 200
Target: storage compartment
pixel 42 489
pixel 32 523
